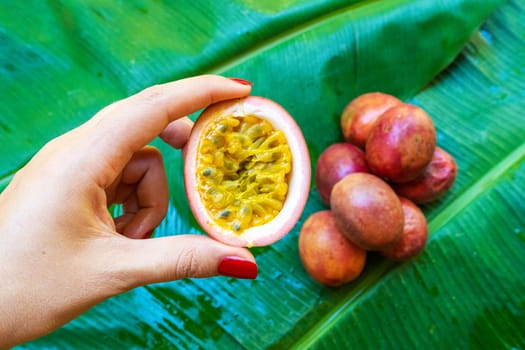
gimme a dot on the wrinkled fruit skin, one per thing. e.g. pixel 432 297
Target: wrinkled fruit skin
pixel 367 211
pixel 401 143
pixel 437 179
pixel 414 237
pixel 336 162
pixel 327 255
pixel 361 113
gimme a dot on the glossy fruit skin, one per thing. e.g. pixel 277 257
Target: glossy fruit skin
pixel 367 211
pixel 415 234
pixel 437 179
pixel 360 114
pixel 401 143
pixel 334 163
pixel 299 184
pixel 327 255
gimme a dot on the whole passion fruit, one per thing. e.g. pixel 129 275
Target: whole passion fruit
pixel 401 143
pixel 334 163
pixel 437 179
pixel 367 211
pixel 327 255
pixel 361 113
pixel 415 234
pixel 246 171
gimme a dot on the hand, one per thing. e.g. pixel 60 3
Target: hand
pixel 60 250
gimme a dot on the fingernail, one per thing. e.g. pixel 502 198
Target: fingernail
pixel 233 266
pixel 241 81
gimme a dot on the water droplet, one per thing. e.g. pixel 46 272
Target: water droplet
pixel 519 233
pixel 485 34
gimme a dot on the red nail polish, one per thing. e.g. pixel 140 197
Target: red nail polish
pixel 241 81
pixel 234 266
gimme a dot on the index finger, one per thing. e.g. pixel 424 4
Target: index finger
pixel 124 127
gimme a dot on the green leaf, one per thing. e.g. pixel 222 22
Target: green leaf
pixel 60 63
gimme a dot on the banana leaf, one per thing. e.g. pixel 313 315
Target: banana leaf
pixel 461 60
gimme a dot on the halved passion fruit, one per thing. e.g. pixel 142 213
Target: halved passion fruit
pixel 246 171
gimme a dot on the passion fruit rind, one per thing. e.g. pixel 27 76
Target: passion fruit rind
pixel 247 171
pixel 360 114
pixel 334 163
pixel 437 179
pixel 415 234
pixel 326 254
pixel 401 143
pixel 368 211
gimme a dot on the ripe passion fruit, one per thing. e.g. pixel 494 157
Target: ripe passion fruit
pixel 334 163
pixel 360 114
pixel 368 211
pixel 246 171
pixel 415 234
pixel 327 255
pixel 437 179
pixel 401 143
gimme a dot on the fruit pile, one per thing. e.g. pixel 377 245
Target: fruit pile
pixel 373 183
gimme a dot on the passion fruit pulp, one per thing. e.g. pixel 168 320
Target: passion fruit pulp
pixel 246 171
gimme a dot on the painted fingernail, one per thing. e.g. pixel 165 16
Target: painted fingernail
pixel 241 81
pixel 233 266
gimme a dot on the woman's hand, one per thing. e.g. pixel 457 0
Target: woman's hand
pixel 60 250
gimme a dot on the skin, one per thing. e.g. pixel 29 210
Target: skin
pixel 327 255
pixel 60 250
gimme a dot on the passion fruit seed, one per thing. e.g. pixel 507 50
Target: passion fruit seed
pixel 243 171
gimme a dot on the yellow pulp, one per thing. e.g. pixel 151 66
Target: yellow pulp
pixel 243 167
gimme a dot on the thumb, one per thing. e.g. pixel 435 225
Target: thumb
pixel 176 257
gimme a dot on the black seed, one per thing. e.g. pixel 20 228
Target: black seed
pixel 224 214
